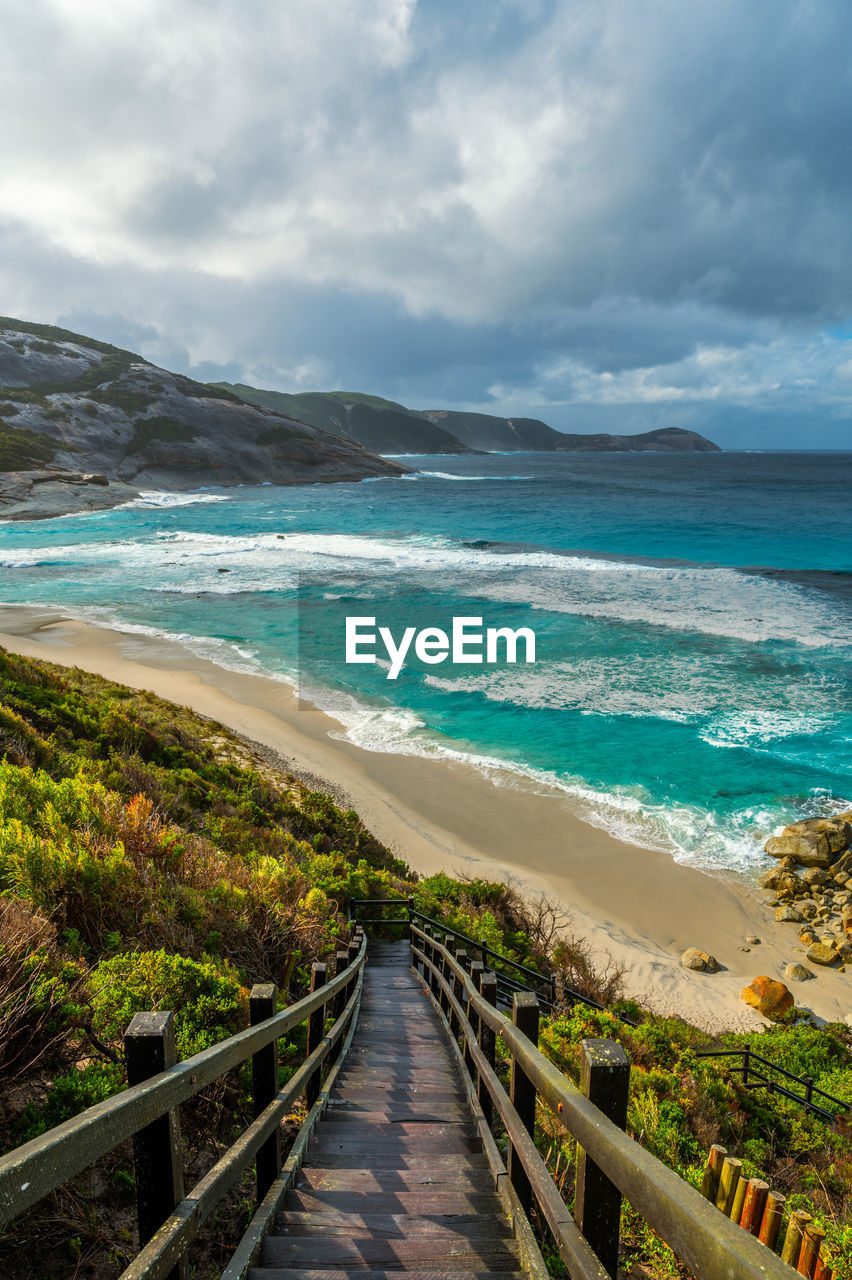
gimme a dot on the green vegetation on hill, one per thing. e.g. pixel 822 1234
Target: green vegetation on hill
pixel 150 858
pixel 22 449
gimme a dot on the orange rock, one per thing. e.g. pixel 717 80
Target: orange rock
pixel 769 997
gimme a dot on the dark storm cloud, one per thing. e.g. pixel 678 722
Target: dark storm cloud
pixel 617 210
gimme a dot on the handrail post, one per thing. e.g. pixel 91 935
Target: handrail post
pixel 487 1041
pixel 746 1064
pixel 341 960
pixel 352 956
pixel 476 971
pixel 263 1002
pixel 434 979
pixel 316 1030
pixel 522 1091
pixel 447 975
pixel 605 1080
pixel 808 1082
pixel 410 907
pixel 149 1048
pixel 450 944
pixel 429 956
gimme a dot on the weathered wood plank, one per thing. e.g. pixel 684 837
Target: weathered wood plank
pixel 391 1226
pixel 427 1202
pixel 331 1251
pixel 462 1177
pixel 364 1273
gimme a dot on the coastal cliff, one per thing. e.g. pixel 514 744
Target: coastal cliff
pixel 84 425
pixel 388 427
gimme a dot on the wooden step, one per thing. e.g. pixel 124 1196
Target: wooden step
pixel 304 1273
pixel 462 1178
pixel 339 1143
pixel 389 1226
pixel 428 1201
pixel 391 1157
pixel 356 1129
pixel 423 1252
pixel 446 1114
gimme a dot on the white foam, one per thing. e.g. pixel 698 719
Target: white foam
pixel 689 834
pixel 161 499
pixel 448 475
pixel 709 601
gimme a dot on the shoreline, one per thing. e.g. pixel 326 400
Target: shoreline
pixel 635 905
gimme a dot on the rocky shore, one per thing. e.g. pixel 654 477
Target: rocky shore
pixel 810 890
pixel 39 495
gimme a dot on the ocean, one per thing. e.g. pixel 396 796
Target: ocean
pixel 693 619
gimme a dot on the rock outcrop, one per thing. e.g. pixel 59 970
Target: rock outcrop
pixel 812 885
pixel 73 408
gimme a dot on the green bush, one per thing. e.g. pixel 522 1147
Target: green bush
pixel 208 1001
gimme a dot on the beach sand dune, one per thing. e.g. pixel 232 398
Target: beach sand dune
pixel 636 906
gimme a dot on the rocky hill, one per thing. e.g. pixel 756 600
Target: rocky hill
pixel 85 425
pixel 663 440
pixel 388 427
pixel 380 425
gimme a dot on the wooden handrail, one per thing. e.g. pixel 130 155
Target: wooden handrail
pixel 178 1231
pixel 574 1250
pixel 713 1247
pixel 32 1171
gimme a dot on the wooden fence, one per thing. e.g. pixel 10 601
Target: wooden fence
pixel 610 1165
pixel 147 1112
pixel 753 1206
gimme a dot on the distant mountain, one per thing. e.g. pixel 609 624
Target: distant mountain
pixel 663 440
pixel 381 426
pixel 484 431
pixel 85 425
pixel 384 426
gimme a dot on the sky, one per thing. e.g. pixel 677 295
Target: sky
pixel 609 214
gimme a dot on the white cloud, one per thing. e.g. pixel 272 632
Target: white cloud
pixel 656 196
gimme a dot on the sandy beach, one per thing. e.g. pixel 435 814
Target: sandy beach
pixel 635 905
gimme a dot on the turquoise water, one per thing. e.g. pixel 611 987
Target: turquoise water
pixel 693 618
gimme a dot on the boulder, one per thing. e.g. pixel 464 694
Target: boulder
pixel 809 850
pixel 815 875
pixel 837 831
pixel 797 973
pixel 753 940
pixel 780 881
pixel 821 953
pixel 807 936
pixel 790 915
pixel 692 958
pixel 843 865
pixel 769 997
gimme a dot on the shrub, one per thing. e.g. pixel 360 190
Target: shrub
pixel 207 998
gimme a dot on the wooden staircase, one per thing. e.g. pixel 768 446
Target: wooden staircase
pixel 394 1179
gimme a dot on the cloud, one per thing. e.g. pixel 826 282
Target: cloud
pixel 552 202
